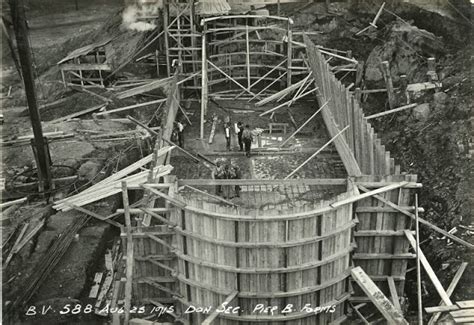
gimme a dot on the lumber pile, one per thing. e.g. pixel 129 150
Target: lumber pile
pixel 44 268
pixel 111 185
pixel 26 139
pixel 105 292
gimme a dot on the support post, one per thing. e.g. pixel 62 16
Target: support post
pixel 418 266
pixel 403 89
pixel 247 56
pixel 24 55
pixel 388 81
pixel 434 279
pixel 165 29
pixel 129 270
pixel 204 90
pixel 289 53
pixel 432 70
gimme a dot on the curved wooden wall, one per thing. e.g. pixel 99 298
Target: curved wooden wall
pixel 278 258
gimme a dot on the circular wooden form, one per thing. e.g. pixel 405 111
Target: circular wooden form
pixel 281 257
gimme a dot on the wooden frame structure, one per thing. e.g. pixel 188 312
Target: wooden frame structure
pixel 236 52
pixel 86 66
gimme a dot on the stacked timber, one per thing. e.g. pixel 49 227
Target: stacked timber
pixel 112 184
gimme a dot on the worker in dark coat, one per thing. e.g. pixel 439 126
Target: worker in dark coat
pixel 240 131
pixel 237 174
pixel 247 138
pixel 219 174
pixel 227 135
pixel 180 129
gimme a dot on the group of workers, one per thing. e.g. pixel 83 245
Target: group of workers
pixel 244 135
pixel 227 170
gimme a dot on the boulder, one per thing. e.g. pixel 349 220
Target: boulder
pixel 404 46
pixel 439 100
pixel 89 170
pixel 422 112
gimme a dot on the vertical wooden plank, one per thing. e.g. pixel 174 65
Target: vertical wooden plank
pixel 129 270
pixel 204 89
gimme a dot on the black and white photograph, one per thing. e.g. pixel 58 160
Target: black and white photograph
pixel 237 162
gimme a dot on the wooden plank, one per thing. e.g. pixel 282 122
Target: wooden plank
pixel 170 199
pixel 210 319
pixel 432 275
pixel 85 66
pixel 248 182
pixel 441 309
pixel 464 320
pixel 390 111
pixel 10 203
pixel 394 294
pixel 462 313
pixel 368 194
pixel 422 221
pixel 126 108
pixel 383 304
pixel 144 88
pixel 129 266
pixel 77 114
pixel 465 304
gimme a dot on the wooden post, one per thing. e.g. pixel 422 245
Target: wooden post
pixel 403 89
pixel 359 73
pixel 388 81
pixel 358 94
pixel 383 304
pixel 24 55
pixel 432 76
pixel 393 293
pixel 429 269
pixel 289 54
pixel 165 29
pixel 129 270
pixel 418 266
pixel 247 55
pixel 204 90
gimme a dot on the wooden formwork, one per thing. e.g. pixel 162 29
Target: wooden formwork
pixel 382 248
pixel 277 258
pixel 360 149
pixel 151 278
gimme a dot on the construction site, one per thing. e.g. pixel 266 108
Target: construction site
pixel 237 162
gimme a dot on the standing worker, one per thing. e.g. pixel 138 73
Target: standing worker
pixel 219 174
pixel 227 135
pixel 236 175
pixel 240 131
pixel 180 134
pixel 228 174
pixel 247 138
